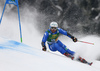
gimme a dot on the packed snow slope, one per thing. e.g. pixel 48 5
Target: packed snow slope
pixel 15 56
pixel 28 56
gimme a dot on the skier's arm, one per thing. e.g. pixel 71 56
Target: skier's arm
pixel 44 40
pixel 67 34
pixel 72 37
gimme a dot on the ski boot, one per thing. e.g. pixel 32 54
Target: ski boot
pixel 90 63
pixel 69 55
pixel 84 61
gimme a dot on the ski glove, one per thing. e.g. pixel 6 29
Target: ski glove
pixel 74 39
pixel 44 48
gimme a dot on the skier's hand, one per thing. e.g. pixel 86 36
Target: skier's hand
pixel 75 39
pixel 44 48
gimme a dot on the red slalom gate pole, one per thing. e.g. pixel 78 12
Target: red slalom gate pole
pixel 86 42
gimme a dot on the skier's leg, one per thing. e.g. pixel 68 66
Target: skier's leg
pixel 59 48
pixel 70 52
pixel 63 51
pixel 61 44
pixel 52 47
pixel 65 48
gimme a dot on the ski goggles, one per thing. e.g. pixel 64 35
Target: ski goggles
pixel 53 28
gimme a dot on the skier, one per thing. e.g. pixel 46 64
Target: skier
pixel 51 36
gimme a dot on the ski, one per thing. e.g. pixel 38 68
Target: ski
pixel 72 57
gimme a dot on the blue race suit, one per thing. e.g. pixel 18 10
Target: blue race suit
pixel 57 45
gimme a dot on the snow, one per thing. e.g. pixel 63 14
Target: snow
pixel 28 56
pixel 15 56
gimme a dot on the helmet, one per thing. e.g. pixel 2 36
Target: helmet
pixel 53 24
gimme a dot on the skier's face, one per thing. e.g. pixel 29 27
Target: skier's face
pixel 53 29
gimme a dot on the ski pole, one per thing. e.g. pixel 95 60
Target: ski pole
pixel 85 42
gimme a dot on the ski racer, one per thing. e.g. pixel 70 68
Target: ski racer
pixel 51 36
